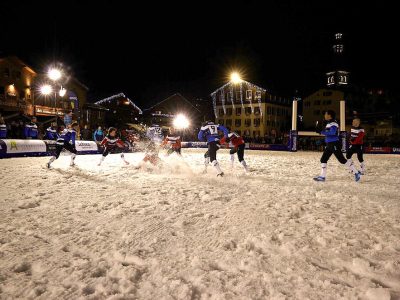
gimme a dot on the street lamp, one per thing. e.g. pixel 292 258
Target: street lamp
pixel 235 78
pixel 62 92
pixel 181 122
pixel 54 74
pixel 46 89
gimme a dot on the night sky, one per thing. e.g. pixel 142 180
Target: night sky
pixel 155 49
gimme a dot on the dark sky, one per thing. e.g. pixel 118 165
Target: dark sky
pixel 154 49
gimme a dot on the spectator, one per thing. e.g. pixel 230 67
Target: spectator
pixel 3 129
pixel 31 129
pixel 98 135
pixel 86 133
pixel 68 118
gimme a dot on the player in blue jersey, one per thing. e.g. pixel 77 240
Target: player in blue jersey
pixel 333 146
pixel 51 132
pixel 209 133
pixel 66 141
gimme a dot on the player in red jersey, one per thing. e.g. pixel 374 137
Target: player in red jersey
pixel 111 143
pixel 356 143
pixel 238 146
pixel 172 142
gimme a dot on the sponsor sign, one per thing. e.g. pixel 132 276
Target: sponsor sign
pixel 83 146
pixel 24 146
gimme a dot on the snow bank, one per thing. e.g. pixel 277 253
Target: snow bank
pixel 117 232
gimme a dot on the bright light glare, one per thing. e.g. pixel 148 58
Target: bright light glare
pixel 46 89
pixel 235 77
pixel 54 74
pixel 62 92
pixel 181 122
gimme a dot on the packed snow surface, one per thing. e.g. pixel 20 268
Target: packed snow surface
pixel 118 232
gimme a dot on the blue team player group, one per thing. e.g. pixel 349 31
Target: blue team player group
pixel 66 141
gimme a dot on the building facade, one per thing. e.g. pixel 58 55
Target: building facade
pixel 17 93
pixel 251 111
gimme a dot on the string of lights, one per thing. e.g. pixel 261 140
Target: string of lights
pixel 120 95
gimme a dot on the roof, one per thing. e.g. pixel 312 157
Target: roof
pixel 116 96
pixel 19 61
pixel 166 99
pixel 243 81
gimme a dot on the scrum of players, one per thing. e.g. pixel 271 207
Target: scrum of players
pixel 152 139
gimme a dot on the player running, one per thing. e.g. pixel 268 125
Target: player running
pixel 209 133
pixel 333 146
pixel 111 143
pixel 172 142
pixel 356 143
pixel 66 141
pixel 239 145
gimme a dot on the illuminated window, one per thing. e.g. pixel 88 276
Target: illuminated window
pixel 247 122
pixel 247 110
pixel 257 111
pixel 249 95
pixel 258 95
pixel 338 36
pixel 238 122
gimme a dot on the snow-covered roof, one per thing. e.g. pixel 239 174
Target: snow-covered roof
pixel 120 95
pixel 249 84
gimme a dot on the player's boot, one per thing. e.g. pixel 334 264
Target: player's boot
pixel 319 178
pixel 220 174
pixel 357 176
pixel 72 163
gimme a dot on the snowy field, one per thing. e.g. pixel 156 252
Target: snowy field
pixel 115 232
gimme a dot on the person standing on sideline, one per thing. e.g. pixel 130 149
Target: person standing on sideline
pixel 3 129
pixel 31 129
pixel 356 143
pixel 51 132
pixel 209 133
pixel 86 133
pixel 98 135
pixel 333 146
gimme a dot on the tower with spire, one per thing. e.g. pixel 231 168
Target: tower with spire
pixel 339 76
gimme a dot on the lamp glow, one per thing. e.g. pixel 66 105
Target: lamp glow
pixel 181 122
pixel 54 74
pixel 62 92
pixel 235 78
pixel 46 89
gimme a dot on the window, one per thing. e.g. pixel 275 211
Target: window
pixel 317 112
pixel 257 122
pixel 229 122
pixel 327 94
pixel 317 102
pixel 229 111
pixel 328 102
pixel 247 110
pixel 238 111
pixel 249 95
pixel 220 121
pixel 238 122
pixel 257 110
pixel 238 97
pixel 247 122
pixel 258 95
pixel 221 111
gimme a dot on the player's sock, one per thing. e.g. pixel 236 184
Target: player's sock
pixel 53 158
pixel 362 165
pixel 323 170
pixel 101 160
pixel 350 165
pixel 206 162
pixel 232 160
pixel 123 158
pixel 216 166
pixel 246 168
pixel 72 163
